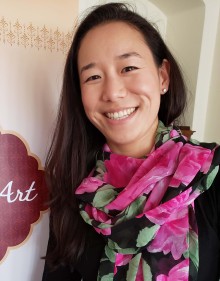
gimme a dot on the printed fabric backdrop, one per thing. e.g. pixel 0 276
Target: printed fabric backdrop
pixel 33 48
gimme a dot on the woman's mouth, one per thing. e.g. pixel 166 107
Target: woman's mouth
pixel 120 114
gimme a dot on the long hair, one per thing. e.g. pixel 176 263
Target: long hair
pixel 76 141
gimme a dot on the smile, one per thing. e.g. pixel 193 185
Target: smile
pixel 120 114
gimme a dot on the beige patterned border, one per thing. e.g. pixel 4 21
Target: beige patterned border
pixel 30 36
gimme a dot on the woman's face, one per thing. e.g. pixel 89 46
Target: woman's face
pixel 121 87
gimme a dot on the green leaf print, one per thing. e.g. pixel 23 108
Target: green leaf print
pixel 133 268
pixel 135 208
pixel 108 277
pixel 132 210
pixel 145 235
pixel 104 196
pixel 113 245
pixel 211 176
pixel 146 271
pixel 110 254
pixel 193 246
pixel 100 168
pixel 85 216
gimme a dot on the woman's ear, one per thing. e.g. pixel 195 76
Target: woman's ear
pixel 164 75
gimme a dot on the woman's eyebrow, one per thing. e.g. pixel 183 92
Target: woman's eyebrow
pixel 87 66
pixel 129 54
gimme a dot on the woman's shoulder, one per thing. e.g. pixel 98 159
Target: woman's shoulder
pixel 213 193
pixel 210 199
pixel 207 210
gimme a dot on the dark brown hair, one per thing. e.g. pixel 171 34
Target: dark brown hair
pixel 76 140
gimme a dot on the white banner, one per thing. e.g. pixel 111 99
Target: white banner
pixel 34 39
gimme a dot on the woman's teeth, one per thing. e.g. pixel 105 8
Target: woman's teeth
pixel 121 114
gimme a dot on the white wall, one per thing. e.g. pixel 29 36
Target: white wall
pixel 184 37
pixel 204 118
pixel 212 128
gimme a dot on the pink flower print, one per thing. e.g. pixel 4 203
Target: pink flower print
pixel 162 213
pixel 106 148
pixel 173 218
pixel 191 159
pixel 205 168
pixel 174 133
pixel 90 184
pixel 121 260
pixel 140 274
pixel 179 272
pixel 172 235
pixel 97 214
pixel 157 194
pixel 158 165
pixel 103 231
pixel 120 169
pixel 101 217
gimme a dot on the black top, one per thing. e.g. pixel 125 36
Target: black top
pixel 207 209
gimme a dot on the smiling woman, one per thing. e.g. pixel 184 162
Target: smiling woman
pixel 126 83
pixel 127 188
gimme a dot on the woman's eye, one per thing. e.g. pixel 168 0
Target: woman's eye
pixel 128 68
pixel 93 77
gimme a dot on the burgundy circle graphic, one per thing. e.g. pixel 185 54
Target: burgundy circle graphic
pixel 23 192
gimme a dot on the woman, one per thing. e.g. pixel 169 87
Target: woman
pixel 131 198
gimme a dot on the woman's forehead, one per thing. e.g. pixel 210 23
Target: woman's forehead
pixel 113 38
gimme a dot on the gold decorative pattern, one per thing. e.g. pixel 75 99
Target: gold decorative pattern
pixel 30 36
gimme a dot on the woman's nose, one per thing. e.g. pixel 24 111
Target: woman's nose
pixel 113 89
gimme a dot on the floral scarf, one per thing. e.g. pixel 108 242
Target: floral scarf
pixel 144 208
